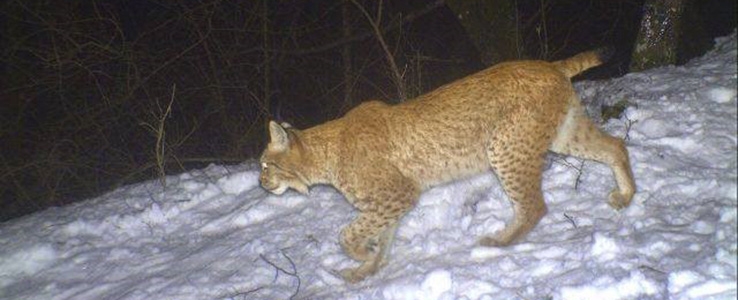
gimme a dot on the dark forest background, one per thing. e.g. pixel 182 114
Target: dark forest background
pixel 98 94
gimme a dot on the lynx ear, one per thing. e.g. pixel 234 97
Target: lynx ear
pixel 278 137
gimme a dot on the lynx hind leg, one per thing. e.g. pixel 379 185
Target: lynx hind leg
pixel 519 171
pixel 579 137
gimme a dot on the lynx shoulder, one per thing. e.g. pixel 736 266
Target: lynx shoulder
pixel 503 119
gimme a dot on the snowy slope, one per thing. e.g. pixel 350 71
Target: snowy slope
pixel 215 234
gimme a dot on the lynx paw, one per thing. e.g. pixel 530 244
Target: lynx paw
pixel 366 269
pixel 353 275
pixel 617 200
pixel 492 242
pixel 363 252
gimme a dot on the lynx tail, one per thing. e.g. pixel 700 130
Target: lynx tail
pixel 583 61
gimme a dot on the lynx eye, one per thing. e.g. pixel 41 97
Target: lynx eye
pixel 269 165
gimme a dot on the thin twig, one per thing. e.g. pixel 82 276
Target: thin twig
pixel 571 220
pixel 579 169
pixel 378 33
pixel 407 18
pixel 246 293
pixel 628 124
pixel 292 273
pixel 160 141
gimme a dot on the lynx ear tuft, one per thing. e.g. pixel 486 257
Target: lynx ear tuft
pixel 278 137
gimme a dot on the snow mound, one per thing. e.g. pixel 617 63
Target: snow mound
pixel 215 234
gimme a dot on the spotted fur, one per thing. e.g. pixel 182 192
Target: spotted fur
pixel 381 157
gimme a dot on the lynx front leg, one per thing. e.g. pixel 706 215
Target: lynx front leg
pixel 371 251
pixel 368 238
pixel 361 239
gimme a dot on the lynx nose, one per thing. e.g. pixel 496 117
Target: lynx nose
pixel 264 181
pixel 272 187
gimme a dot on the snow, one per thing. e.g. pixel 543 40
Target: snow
pixel 215 234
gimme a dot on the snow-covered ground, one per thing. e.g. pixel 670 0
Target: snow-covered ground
pixel 215 234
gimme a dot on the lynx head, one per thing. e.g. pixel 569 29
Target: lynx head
pixel 283 160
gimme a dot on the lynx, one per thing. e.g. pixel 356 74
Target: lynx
pixel 504 119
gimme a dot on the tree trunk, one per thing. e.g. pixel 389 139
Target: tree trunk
pixel 492 25
pixel 658 39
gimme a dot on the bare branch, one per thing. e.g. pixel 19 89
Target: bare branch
pixel 292 273
pixel 378 33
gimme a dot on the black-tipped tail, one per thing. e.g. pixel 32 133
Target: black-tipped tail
pixel 605 53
